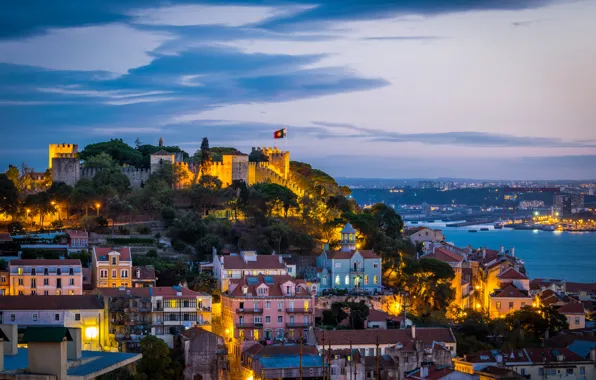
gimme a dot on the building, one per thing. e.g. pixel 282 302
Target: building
pixel 46 277
pixel 533 363
pixel 424 235
pixel 350 268
pixel 160 311
pixel 248 263
pixel 575 314
pixel 438 372
pixel 77 240
pixel 55 353
pixel 143 276
pixel 111 267
pixel 79 311
pixel 283 361
pixel 266 307
pixel 205 355
pixel 4 282
pixel 513 294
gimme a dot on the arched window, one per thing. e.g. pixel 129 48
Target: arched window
pixel 324 280
pixel 337 279
pixel 365 279
pixel 375 280
pixel 347 280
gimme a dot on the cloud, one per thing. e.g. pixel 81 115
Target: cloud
pixel 402 38
pixel 190 81
pixel 125 102
pixel 116 94
pixel 107 131
pixel 114 48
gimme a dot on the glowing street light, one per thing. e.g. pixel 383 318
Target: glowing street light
pixel 97 207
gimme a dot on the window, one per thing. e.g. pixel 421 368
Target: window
pixel 58 271
pixel 523 372
pixel 498 306
pixel 324 280
pixel 342 370
pixel 33 292
pixel 21 282
pixel 511 305
pixel 334 370
pixel 305 305
pixel 569 371
pixel 280 319
pixel 258 319
pixel 289 290
pixel 103 273
pixel 113 260
pixel 71 282
pixel 12 317
pixel 71 292
pixel 113 273
pixel 45 293
pixel 33 283
pixel 255 334
pixel 347 280
pixel 46 281
pixel 58 292
pixel 267 319
pixel 21 293
pixel 280 305
pixel 337 280
pixel 19 270
pixel 58 283
pixel 45 271
pixel 267 305
pixel 113 284
pixel 582 370
pixel 77 317
pixel 577 320
pixel 375 265
pixel 57 317
pixel 241 334
pixel 34 317
pixel 124 273
pixel 365 279
pixel 71 271
pixel 375 280
pixel 33 271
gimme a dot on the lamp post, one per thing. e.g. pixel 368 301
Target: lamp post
pixel 53 203
pixel 97 207
pixel 29 211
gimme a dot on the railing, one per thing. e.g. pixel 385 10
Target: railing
pixel 297 325
pixel 249 311
pixel 248 325
pixel 298 311
pixel 204 308
pixel 357 270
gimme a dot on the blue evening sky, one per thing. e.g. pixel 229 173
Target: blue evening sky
pixel 367 88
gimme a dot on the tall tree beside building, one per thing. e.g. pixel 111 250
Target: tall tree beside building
pixel 8 196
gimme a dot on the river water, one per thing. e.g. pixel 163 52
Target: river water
pixel 562 255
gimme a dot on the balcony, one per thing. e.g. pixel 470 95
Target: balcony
pixel 204 309
pixel 356 270
pixel 299 311
pixel 298 325
pixel 249 325
pixel 249 311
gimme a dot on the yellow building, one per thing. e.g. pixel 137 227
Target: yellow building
pixel 4 282
pixel 111 267
pixel 56 150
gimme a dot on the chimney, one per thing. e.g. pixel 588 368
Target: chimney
pixel 280 259
pixel 501 249
pixel 138 273
pixel 484 253
pixel 12 338
pixel 74 346
pixel 413 331
pixel 513 252
pixel 221 260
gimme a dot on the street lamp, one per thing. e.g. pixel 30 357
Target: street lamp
pixel 97 207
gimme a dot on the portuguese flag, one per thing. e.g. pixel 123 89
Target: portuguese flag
pixel 280 134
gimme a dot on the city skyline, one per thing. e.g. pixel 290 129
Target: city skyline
pixel 424 89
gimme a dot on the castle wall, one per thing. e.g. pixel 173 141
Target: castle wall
pixel 156 161
pixel 66 170
pixel 56 149
pixel 240 168
pixel 137 177
pixel 261 172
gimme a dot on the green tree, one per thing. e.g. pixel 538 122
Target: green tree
pixel 168 215
pixel 274 196
pixel 101 161
pixel 187 227
pixel 206 283
pixel 21 179
pixel 387 220
pixel 206 160
pixel 9 196
pixel 205 245
pixel 334 316
pixel 41 204
pixel 61 193
pixel 358 314
pixel 206 195
pixel 531 323
pixel 156 362
pixel 84 194
pixel 111 182
pixel 83 255
pixel 121 152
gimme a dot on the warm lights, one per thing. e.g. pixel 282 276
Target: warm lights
pixel 91 332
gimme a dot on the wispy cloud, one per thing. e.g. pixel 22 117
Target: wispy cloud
pixel 129 101
pixel 115 94
pixel 403 38
pixel 109 131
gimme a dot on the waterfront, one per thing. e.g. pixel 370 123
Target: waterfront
pixel 563 255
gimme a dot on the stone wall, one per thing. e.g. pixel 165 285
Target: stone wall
pixel 66 170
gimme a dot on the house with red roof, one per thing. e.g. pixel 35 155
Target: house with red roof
pixel 424 235
pixel 575 314
pixel 508 299
pixel 45 277
pixel 247 263
pixel 111 267
pixel 350 268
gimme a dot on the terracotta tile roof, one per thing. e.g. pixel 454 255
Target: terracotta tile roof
pixel 44 262
pixel 273 282
pixel 342 255
pixel 77 234
pixel 486 356
pixel 162 153
pixel 281 350
pixel 165 291
pixel 549 297
pixel 262 262
pixel 510 291
pixel 101 253
pixel 443 255
pixel 572 308
pixel 360 337
pixel 194 331
pixel 493 370
pixel 550 355
pixel 252 350
pixel 146 272
pixel 411 231
pixel 377 316
pixel 5 237
pixel 576 287
pixel 434 373
pixel 41 302
pixel 512 274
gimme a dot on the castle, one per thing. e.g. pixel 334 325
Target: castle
pixel 66 167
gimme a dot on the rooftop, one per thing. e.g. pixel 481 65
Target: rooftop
pixel 290 361
pixel 101 253
pixel 146 272
pixel 434 373
pixel 77 234
pixel 428 335
pixel 44 262
pixel 273 283
pixel 260 262
pixel 572 308
pixel 512 274
pixel 338 255
pixel 165 291
pixel 510 291
pixel 42 302
pixel 443 255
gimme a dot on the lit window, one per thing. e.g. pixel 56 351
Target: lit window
pixel 305 305
pixel 256 334
pixel 229 274
pixel 365 279
pixel 34 317
pixel 337 280
pixel 324 281
pixel 375 280
pixel 498 306
pixel 347 280
pixel 19 270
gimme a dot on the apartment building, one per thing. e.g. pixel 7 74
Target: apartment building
pixel 266 308
pixel 45 277
pixel 79 311
pixel 4 282
pixel 111 267
pixel 247 263
pixel 160 311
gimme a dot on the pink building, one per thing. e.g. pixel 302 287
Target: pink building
pixel 266 307
pixel 77 240
pixel 46 277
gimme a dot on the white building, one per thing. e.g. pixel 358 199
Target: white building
pixel 248 263
pixel 79 311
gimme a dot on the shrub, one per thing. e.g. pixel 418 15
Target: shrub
pixel 143 230
pixel 151 253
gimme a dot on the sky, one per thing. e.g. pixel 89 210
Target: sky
pixel 378 88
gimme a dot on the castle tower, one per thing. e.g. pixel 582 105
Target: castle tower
pixel 348 238
pixel 55 150
pixel 161 142
pixel 157 158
